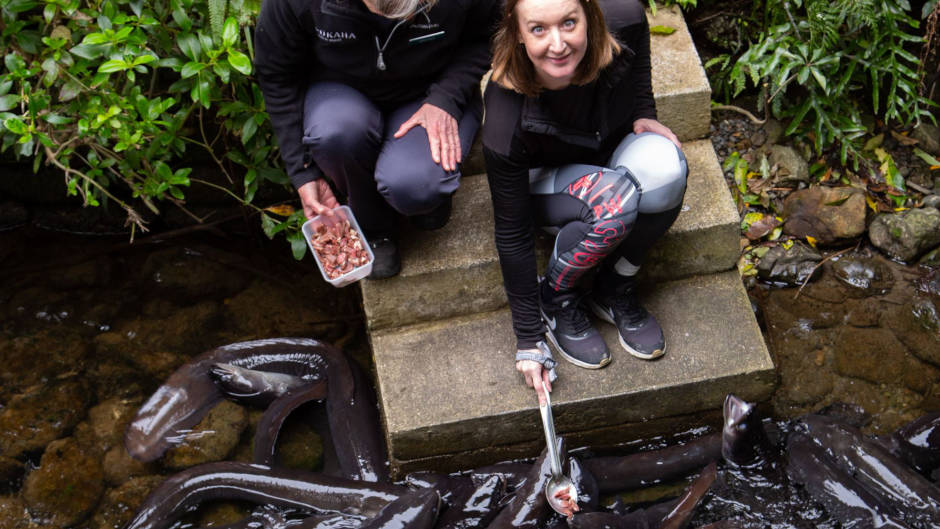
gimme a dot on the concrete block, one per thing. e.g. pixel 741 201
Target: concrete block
pixel 450 386
pixel 680 87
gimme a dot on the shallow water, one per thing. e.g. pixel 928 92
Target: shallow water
pixel 91 325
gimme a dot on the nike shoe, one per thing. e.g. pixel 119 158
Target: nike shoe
pixel 387 261
pixel 640 333
pixel 570 330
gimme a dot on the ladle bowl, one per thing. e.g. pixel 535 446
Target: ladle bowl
pixel 558 481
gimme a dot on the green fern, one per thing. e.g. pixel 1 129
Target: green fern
pixel 217 17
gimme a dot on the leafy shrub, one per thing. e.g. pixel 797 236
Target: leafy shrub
pixel 816 63
pixel 115 93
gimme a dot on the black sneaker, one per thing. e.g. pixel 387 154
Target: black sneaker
pixel 436 219
pixel 640 333
pixel 387 262
pixel 571 332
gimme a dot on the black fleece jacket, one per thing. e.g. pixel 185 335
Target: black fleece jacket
pixel 438 55
pixel 578 124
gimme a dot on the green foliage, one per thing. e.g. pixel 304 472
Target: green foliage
pixel 683 4
pixel 115 92
pixel 821 64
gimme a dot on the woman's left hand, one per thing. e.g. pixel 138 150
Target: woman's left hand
pixel 442 134
pixel 651 125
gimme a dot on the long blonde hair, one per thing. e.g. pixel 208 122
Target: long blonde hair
pixel 512 68
pixel 399 9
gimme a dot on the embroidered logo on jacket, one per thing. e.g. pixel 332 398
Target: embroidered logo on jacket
pixel 335 36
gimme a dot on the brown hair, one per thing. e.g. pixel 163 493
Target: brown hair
pixel 512 68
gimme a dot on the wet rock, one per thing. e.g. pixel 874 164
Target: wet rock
pixel 908 234
pixel 801 378
pixel 264 307
pixel 118 466
pixel 917 326
pixel 218 514
pixel 120 504
pixel 11 470
pixel 106 423
pixel 863 315
pixel 792 168
pixel 299 446
pixel 40 415
pixel 929 137
pixel 874 355
pixel 88 274
pixel 66 486
pixel 932 201
pixel 187 330
pixel 791 266
pixel 931 259
pixel 828 214
pixel 213 439
pixel 919 375
pixel 31 359
pixel 187 273
pixel 14 514
pixel 864 276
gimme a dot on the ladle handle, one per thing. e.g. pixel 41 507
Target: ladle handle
pixel 548 424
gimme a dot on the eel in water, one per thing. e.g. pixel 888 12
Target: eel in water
pixel 189 393
pixel 468 505
pixel 529 507
pixel 877 470
pixel 917 443
pixel 843 497
pixel 416 509
pixel 265 441
pixel 634 471
pixel 254 387
pixel 743 439
pixel 231 480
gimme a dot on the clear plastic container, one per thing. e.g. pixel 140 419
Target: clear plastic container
pixel 340 213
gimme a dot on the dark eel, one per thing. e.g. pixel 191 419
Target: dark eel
pixel 189 393
pixel 743 439
pixel 634 471
pixel 512 473
pixel 256 483
pixel 918 443
pixel 265 441
pixel 916 498
pixel 467 503
pixel 843 497
pixel 529 507
pixel 416 509
pixel 254 387
pixel 679 516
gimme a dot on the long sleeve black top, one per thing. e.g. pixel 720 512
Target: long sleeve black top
pixel 439 54
pixel 578 124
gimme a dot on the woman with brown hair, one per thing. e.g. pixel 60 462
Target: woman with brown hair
pixel 572 144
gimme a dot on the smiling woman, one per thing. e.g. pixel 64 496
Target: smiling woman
pixel 572 144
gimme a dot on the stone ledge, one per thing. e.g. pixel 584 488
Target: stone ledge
pixel 714 347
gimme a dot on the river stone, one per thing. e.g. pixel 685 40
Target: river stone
pixel 802 381
pixel 828 214
pixel 266 309
pixel 11 470
pixel 32 359
pixel 931 258
pixel 118 466
pixel 88 274
pixel 40 415
pixel 14 514
pixel 221 513
pixel 792 168
pixel 929 137
pixel 916 324
pixel 187 273
pixel 789 266
pixel 863 276
pixel 299 446
pixel 213 439
pixel 919 375
pixel 188 330
pixel 106 423
pixel 863 315
pixel 908 234
pixel 66 486
pixel 874 355
pixel 120 504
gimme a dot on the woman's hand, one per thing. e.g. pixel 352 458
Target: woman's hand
pixel 534 371
pixel 442 134
pixel 651 125
pixel 317 198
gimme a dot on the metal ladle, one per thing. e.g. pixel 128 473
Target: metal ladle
pixel 558 481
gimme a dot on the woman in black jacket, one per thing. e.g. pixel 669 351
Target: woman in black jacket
pixel 380 96
pixel 572 143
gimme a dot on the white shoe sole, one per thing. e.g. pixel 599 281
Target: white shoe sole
pixel 607 316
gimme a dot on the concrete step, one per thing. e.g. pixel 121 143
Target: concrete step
pixel 455 271
pixel 451 398
pixel 683 95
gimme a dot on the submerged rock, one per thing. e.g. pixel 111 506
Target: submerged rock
pixel 828 214
pixel 916 325
pixel 791 266
pixel 42 414
pixel 67 485
pixel 874 355
pixel 867 276
pixel 213 439
pixel 906 235
pixel 14 514
pixel 120 504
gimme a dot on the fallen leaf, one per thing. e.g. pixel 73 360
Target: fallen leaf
pixel 811 240
pixel 662 30
pixel 874 142
pixel 904 139
pixel 282 210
